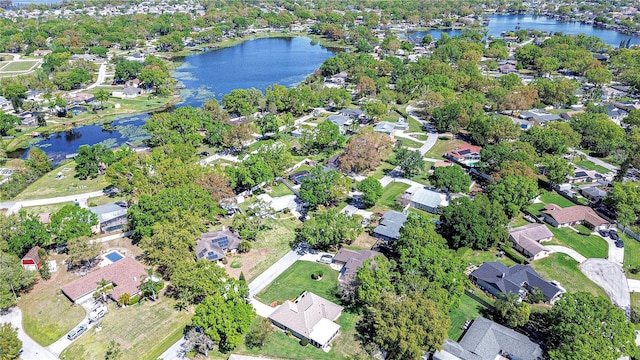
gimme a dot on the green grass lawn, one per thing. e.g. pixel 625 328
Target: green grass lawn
pixel 414 125
pixel 469 309
pixel 635 304
pixel 441 147
pixel 421 137
pixel 297 279
pixel 590 165
pixel 553 198
pixel 477 257
pixel 519 221
pixel 588 246
pixel 280 190
pixel 382 170
pixel 391 193
pixel 409 143
pixel 48 186
pixel 535 208
pixel 52 208
pixel 631 254
pixel 143 331
pixel 19 66
pixel 277 239
pixel 566 271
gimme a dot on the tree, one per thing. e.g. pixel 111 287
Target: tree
pixel 546 140
pixel 477 224
pixel 374 108
pixel 268 124
pixel 365 151
pixel 39 161
pixel 236 136
pixel 407 325
pixel 324 187
pixel 258 333
pixel 126 69
pixel 599 76
pixel 328 228
pixel 446 118
pixel 556 168
pixel 148 285
pixel 113 351
pixel 29 232
pixel 194 281
pixel 91 160
pixel 325 137
pixel 72 222
pixel 152 76
pixel 10 344
pixel 599 133
pixel 7 123
pixel 13 279
pixel 81 251
pixel 633 119
pixel 411 162
pixel 513 192
pixel 224 319
pixel 451 178
pixel 624 199
pixel 486 129
pixel 373 279
pixel 102 95
pixel 16 93
pixel 242 102
pixel 510 311
pixel 371 191
pixel 584 326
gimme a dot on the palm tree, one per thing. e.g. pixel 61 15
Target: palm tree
pixel 148 285
pixel 102 95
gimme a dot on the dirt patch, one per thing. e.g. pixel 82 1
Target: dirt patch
pixel 247 262
pixel 363 242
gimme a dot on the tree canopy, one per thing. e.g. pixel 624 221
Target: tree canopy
pixel 328 228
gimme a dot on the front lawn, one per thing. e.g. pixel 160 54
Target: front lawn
pixel 50 185
pixel 143 331
pixel 442 146
pixel 631 255
pixel 410 143
pixel 469 309
pixel 414 125
pixel 391 193
pixel 590 165
pixel 383 169
pixel 566 271
pixel 549 197
pixel 588 246
pixel 297 279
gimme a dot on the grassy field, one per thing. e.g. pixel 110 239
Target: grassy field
pixel 143 331
pixel 635 304
pixel 382 170
pixel 441 147
pixel 19 66
pixel 47 314
pixel 409 143
pixel 631 254
pixel 563 269
pixel 548 197
pixel 37 210
pixel 590 165
pixel 477 257
pixel 280 190
pixel 297 279
pixel 103 200
pixel 48 186
pixel 589 246
pixel 391 193
pixel 469 309
pixel 414 125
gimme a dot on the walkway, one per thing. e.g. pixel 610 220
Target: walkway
pixel 30 348
pixel 565 250
pixel 634 285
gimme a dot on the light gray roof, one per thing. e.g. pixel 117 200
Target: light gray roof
pixel 488 339
pixel 390 224
pixel 428 197
pixel 535 232
pixel 339 119
pixel 353 259
pixel 213 245
pixel 305 313
pixel 384 126
pixel 594 192
pixel 108 211
pixel 539 115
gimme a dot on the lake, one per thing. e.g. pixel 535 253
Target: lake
pixel 255 63
pixel 505 23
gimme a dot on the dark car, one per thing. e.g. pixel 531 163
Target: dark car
pixel 614 235
pixel 204 153
pixel 619 244
pixel 603 233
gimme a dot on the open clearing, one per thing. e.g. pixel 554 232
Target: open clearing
pixel 566 271
pixel 16 66
pixel 297 279
pixel 52 185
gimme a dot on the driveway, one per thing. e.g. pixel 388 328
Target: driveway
pixel 610 278
pixel 30 348
pixel 58 347
pixel 596 161
pixel 565 250
pixel 616 254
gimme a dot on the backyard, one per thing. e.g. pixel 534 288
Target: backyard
pixel 390 194
pixel 297 279
pixel 547 197
pixel 590 246
pixel 52 185
pixel 469 309
pixel 478 257
pixel 590 165
pixel 143 331
pixel 566 271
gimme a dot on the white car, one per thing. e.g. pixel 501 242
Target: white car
pixel 98 313
pixel 325 259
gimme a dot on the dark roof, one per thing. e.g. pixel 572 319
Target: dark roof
pixel 594 192
pixel 488 339
pixel 353 259
pixel 214 245
pixel 390 224
pixel 516 279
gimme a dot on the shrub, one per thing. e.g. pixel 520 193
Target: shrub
pixel 124 299
pixel 244 246
pixel 134 300
pixel 44 271
pixel 92 204
pixel 317 275
pixel 304 341
pixel 513 254
pixel 225 261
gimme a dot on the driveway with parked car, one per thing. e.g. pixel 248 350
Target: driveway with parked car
pixel 616 246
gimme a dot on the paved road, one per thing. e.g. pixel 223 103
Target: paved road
pixel 102 75
pixel 610 278
pixel 596 160
pixel 30 348
pixel 15 206
pixel 565 250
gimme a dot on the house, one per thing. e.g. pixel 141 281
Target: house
pixel 350 261
pixel 111 217
pixel 507 69
pixel 388 127
pixel 215 245
pixel 31 260
pixel 487 340
pixel 573 215
pixel 355 114
pixel 593 193
pixel 42 52
pixel 340 121
pixel 540 116
pixel 5 104
pixel 81 98
pixel 125 276
pixel 584 176
pixel 526 239
pixel 389 227
pixel 280 203
pixel 523 124
pixel 616 115
pixel 498 279
pixel 127 93
pixel 466 154
pixel 426 199
pixel 33 95
pixel 309 317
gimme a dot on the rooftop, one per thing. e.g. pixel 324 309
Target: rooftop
pixel 390 224
pixel 573 214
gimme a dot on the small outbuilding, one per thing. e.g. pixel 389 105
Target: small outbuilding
pixel 31 260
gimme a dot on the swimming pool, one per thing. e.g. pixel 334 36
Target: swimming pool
pixel 114 256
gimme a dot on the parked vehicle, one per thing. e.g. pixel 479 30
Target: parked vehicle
pixel 326 259
pixel 603 233
pixel 77 331
pixel 97 313
pixel 619 244
pixel 614 235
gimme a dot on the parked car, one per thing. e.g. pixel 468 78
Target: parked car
pixel 97 313
pixel 619 244
pixel 603 233
pixel 326 259
pixel 614 235
pixel 77 331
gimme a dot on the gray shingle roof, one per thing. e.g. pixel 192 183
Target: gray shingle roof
pixel 514 279
pixel 305 313
pixel 390 224
pixel 488 339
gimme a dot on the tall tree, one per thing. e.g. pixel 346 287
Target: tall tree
pixel 13 279
pixel 71 222
pixel 324 187
pixel 512 312
pixel 371 191
pixel 556 169
pixel 7 123
pixel 328 228
pixel 10 344
pixel 102 95
pixel 365 151
pixel 513 192
pixel 16 93
pixel 451 178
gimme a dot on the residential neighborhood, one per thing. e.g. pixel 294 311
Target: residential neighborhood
pixel 276 180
